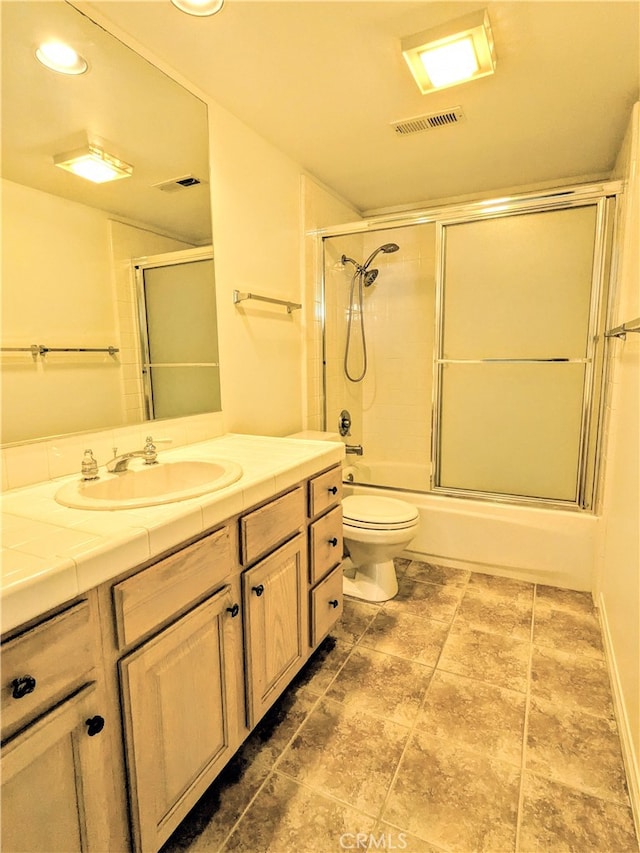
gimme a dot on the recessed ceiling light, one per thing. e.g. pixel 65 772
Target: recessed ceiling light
pixel 453 53
pixel 94 164
pixel 60 57
pixel 201 8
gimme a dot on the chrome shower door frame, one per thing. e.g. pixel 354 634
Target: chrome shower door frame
pixel 603 199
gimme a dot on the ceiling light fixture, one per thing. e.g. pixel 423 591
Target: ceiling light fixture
pixel 450 54
pixel 60 57
pixel 94 164
pixel 200 8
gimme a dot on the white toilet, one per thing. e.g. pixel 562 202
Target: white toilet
pixel 375 530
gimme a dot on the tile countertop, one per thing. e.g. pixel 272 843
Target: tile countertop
pixel 51 553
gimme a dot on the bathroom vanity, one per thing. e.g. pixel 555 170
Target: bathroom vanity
pixel 121 706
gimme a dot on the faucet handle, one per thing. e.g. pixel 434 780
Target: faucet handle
pixel 89 468
pixel 150 454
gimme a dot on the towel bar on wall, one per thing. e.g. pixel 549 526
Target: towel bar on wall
pixel 41 349
pixel 240 297
pixel 621 331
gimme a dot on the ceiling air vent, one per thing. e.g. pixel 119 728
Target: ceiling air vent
pixel 176 184
pixel 428 122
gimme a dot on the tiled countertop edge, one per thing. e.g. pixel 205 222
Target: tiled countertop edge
pixel 52 553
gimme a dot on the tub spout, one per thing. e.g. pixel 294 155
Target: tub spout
pixel 354 448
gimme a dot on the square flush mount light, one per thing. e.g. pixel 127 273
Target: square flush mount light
pixel 93 163
pixel 453 53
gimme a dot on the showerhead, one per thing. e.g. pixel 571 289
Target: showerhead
pixel 386 248
pixel 369 277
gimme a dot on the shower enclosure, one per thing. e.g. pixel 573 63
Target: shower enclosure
pixel 484 347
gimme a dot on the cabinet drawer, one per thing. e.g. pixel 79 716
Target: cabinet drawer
pixel 266 527
pixel 325 491
pixel 54 659
pixel 325 543
pixel 326 605
pixel 154 595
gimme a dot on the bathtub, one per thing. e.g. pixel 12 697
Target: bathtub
pixel 540 545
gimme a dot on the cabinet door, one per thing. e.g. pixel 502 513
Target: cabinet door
pixel 276 619
pixel 54 782
pixel 175 694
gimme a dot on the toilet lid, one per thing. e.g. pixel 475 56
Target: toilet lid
pixel 377 512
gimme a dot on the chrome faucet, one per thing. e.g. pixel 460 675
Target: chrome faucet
pixel 120 463
pixel 354 448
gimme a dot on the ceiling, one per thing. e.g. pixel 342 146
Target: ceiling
pixel 323 81
pixel 123 100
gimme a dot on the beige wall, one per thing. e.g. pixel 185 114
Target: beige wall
pixel 256 237
pixel 321 209
pixel 57 291
pixel 618 585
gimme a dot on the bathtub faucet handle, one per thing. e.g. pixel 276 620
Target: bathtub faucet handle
pixel 354 448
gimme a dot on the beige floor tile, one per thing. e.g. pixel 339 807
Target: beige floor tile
pixel 568 600
pixel 347 754
pixel 430 573
pixel 399 840
pixel 428 600
pixel 571 681
pixel 499 615
pixel 454 798
pixel 559 820
pixel 470 713
pixel 356 618
pixel 494 658
pixel 508 588
pixel 287 817
pixel 406 636
pixel 565 630
pixel 381 684
pixel 577 749
pixel 323 665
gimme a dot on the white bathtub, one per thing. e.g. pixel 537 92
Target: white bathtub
pixel 549 546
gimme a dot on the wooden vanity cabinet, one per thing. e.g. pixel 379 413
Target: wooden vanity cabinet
pixel 56 769
pixel 177 693
pixel 325 553
pixel 177 660
pixel 274 593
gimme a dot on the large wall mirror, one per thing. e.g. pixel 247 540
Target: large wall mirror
pixel 72 347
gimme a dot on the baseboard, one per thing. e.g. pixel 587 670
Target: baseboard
pixel 626 740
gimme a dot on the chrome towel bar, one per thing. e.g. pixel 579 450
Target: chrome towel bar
pixel 240 297
pixel 41 349
pixel 621 331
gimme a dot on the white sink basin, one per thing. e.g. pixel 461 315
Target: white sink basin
pixel 150 485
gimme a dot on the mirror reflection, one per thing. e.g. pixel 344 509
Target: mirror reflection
pixel 72 246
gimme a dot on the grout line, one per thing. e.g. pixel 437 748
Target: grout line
pixel 415 722
pixel 525 726
pixel 271 772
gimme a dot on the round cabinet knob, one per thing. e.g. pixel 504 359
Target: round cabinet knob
pixel 23 686
pixel 334 603
pixel 94 725
pixel 333 541
pixel 258 589
pixel 234 610
pixel 333 490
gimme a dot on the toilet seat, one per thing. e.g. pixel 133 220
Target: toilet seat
pixel 378 513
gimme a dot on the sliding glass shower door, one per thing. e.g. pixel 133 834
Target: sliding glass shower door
pixel 518 303
pixel 178 332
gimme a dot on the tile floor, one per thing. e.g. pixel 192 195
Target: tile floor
pixel 470 713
